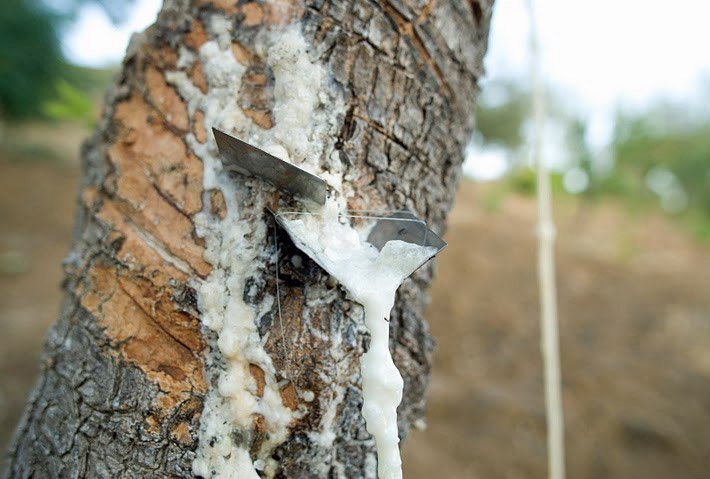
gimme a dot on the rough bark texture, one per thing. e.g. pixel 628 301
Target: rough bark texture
pixel 122 382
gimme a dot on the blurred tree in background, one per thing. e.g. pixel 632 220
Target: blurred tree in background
pixel 500 115
pixel 665 155
pixel 30 60
pixel 33 70
pixel 656 157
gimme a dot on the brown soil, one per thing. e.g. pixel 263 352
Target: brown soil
pixel 634 302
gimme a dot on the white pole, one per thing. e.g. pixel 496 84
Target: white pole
pixel 546 274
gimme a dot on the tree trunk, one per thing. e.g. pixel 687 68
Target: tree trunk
pixel 176 274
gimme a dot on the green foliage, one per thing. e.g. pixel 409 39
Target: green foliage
pixel 640 145
pixel 657 141
pixel 500 115
pixel 30 60
pixel 523 180
pixel 668 140
pixel 503 109
pixel 92 81
pixel 70 104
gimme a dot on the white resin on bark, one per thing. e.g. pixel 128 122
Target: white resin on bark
pixel 371 278
pixel 306 119
pixel 307 116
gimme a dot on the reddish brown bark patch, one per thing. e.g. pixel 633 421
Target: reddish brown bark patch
pixel 198 77
pixel 158 182
pixel 243 54
pixel 289 397
pixel 253 14
pixel 165 99
pixel 141 338
pixel 259 377
pixel 261 118
pixel 198 126
pixel 197 36
pixel 181 433
pixel 256 94
pixel 140 295
pixel 218 206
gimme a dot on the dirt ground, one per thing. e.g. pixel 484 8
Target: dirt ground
pixel 634 303
pixel 635 323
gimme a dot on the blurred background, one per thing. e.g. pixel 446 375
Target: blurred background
pixel 628 141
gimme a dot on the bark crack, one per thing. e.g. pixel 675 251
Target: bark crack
pixel 412 31
pixel 150 315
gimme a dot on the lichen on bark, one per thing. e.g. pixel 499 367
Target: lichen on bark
pixel 127 367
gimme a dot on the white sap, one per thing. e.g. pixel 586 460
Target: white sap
pixel 371 278
pixel 307 113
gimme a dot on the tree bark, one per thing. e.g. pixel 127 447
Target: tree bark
pixel 129 365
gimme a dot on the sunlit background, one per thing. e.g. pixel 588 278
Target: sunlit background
pixel 628 142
